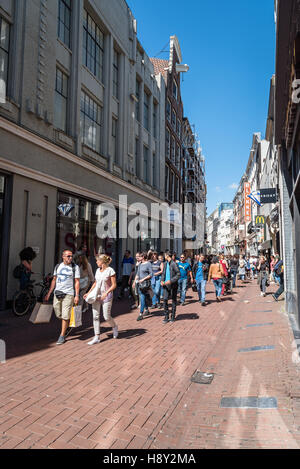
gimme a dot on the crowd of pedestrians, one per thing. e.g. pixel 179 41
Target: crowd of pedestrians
pixel 151 280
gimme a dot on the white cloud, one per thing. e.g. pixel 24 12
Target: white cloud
pixel 233 186
pixel 218 189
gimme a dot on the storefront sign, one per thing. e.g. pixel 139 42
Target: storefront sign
pixel 260 220
pixel 65 209
pixel 247 201
pixel 268 196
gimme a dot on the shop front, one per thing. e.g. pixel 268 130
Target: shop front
pixel 5 218
pixel 76 224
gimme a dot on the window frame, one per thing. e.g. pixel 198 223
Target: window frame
pixel 98 122
pixel 61 23
pixel 93 42
pixel 6 53
pixel 63 92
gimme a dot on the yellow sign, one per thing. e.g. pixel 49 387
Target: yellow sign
pixel 259 220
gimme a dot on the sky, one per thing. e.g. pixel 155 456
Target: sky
pixel 230 49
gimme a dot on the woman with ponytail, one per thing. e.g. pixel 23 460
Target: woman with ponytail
pixel 106 280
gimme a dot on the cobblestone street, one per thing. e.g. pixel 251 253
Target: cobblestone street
pixel 136 391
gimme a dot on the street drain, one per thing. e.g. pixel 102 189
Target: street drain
pixel 261 311
pixel 202 378
pixel 254 349
pixel 260 325
pixel 249 402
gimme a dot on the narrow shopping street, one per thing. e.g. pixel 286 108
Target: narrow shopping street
pixel 136 391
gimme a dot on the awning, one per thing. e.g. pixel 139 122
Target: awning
pixel 266 244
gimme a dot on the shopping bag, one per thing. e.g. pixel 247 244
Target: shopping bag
pixel 93 295
pixel 76 316
pixel 41 313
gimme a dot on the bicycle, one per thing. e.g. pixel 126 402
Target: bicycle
pixel 24 300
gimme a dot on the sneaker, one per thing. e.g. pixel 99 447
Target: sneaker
pixel 218 299
pixel 274 297
pixel 146 312
pixel 153 307
pixel 115 332
pixel 182 303
pixel 203 303
pixel 165 320
pixel 94 341
pixel 140 317
pixel 172 319
pixel 261 293
pixel 61 340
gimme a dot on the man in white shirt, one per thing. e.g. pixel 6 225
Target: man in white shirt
pixel 65 280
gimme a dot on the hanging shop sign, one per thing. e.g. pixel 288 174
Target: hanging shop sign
pixel 268 196
pixel 260 220
pixel 247 201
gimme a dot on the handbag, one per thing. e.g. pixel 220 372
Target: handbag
pixel 92 295
pixel 60 295
pixel 41 313
pixel 145 286
pixel 76 316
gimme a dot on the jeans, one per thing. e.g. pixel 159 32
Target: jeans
pixel 182 284
pixel 233 273
pixel 280 290
pixel 170 292
pixel 156 287
pixel 143 304
pixel 263 281
pixel 201 285
pixel 218 283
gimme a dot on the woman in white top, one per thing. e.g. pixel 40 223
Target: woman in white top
pixel 106 278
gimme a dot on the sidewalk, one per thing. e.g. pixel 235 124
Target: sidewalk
pixel 136 391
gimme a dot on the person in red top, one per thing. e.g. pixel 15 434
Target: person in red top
pixel 224 264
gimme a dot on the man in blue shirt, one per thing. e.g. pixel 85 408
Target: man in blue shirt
pixel 185 269
pixel 127 268
pixel 169 282
pixel 201 278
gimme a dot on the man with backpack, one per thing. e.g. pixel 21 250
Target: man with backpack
pixel 65 284
pixel 278 270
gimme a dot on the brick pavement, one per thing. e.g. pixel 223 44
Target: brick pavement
pixel 136 392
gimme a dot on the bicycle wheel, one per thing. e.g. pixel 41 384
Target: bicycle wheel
pixel 22 303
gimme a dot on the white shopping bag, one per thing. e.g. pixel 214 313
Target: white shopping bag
pixel 41 313
pixel 93 295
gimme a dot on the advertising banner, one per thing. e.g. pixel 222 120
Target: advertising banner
pixel 247 202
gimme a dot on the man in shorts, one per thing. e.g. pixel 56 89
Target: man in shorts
pixel 66 294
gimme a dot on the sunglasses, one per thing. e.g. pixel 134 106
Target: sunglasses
pixel 68 256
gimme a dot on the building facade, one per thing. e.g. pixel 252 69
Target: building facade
pixel 287 138
pixel 81 123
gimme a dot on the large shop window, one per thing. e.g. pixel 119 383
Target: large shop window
pixel 77 220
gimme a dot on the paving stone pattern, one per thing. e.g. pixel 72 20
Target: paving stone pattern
pixel 136 391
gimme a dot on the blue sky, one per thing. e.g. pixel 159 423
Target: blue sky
pixel 230 48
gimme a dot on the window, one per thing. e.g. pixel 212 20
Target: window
pixel 155 120
pixel 64 21
pixel 146 163
pixel 171 188
pixel 137 104
pixel 174 119
pixel 173 150
pixel 176 185
pixel 154 170
pixel 177 161
pixel 166 181
pixel 93 46
pixel 61 101
pixel 116 75
pixel 175 90
pixel 168 111
pixel 114 131
pixel 4 48
pixel 168 141
pixel 137 165
pixel 178 128
pixel 90 122
pixel 146 110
